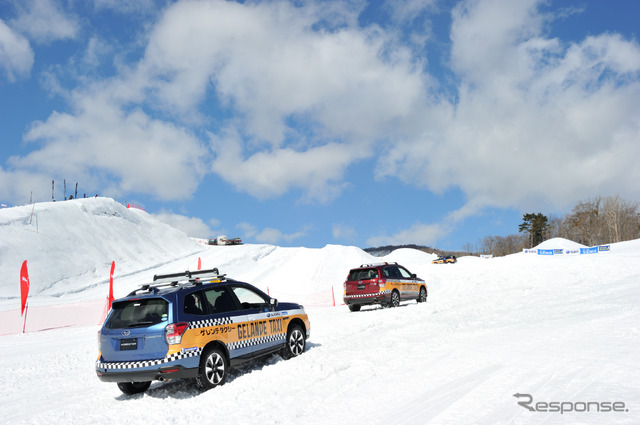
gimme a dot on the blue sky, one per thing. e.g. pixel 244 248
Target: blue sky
pixel 309 123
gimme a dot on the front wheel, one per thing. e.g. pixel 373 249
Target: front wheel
pixel 213 369
pixel 423 295
pixel 296 342
pixel 131 388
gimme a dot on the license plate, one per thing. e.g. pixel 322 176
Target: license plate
pixel 128 344
pixel 362 286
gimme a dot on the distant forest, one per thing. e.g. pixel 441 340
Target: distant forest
pixel 381 251
pixel 598 221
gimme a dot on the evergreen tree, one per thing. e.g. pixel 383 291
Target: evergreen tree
pixel 536 225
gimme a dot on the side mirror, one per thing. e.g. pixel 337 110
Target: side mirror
pixel 273 303
pixel 413 275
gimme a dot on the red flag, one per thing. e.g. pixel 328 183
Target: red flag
pixel 199 264
pixel 24 286
pixel 113 267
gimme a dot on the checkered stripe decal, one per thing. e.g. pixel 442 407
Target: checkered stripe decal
pixel 367 295
pixel 256 341
pixel 210 322
pixel 148 363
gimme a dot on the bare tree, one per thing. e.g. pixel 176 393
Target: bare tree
pixel 621 219
pixel 586 221
pixel 470 248
pixel 502 245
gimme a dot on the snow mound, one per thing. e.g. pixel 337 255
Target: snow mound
pixel 70 245
pixel 558 243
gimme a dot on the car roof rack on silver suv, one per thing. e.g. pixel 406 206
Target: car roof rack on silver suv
pixel 183 278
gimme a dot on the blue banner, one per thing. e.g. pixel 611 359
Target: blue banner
pixel 593 250
pixel 545 252
pixel 604 248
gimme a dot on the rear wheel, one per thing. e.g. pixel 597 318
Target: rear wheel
pixel 213 369
pixel 395 299
pixel 354 307
pixel 296 342
pixel 423 295
pixel 131 388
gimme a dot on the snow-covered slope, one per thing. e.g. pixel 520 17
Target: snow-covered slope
pixel 563 329
pixel 69 246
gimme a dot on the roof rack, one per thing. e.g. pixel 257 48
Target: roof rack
pixel 183 278
pixel 187 276
pixel 384 263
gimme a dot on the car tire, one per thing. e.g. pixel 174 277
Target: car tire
pixel 131 388
pixel 395 299
pixel 296 342
pixel 354 307
pixel 422 297
pixel 213 369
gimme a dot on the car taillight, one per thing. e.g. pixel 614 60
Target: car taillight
pixel 173 332
pixel 381 282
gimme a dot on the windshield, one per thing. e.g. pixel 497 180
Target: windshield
pixel 138 313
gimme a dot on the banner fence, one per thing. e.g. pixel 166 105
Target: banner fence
pixel 573 251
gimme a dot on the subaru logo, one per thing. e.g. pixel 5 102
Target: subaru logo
pixel 126 333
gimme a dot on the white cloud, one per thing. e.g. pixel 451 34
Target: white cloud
pixel 318 170
pixel 422 234
pixel 128 6
pixel 44 21
pixel 268 234
pixel 192 226
pixel 269 65
pixel 19 186
pixel 307 93
pixel 344 232
pixel 100 141
pixel 16 55
pixel 96 50
pixel 486 34
pixel 430 234
pixel 404 11
pixel 248 230
pixel 273 236
pixel 537 122
pixel 345 90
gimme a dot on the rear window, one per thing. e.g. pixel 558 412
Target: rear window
pixel 363 274
pixel 138 313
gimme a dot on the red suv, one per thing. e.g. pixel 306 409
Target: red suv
pixel 383 283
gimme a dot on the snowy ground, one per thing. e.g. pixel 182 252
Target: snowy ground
pixel 563 329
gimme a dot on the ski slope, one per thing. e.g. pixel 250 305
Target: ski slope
pixel 563 329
